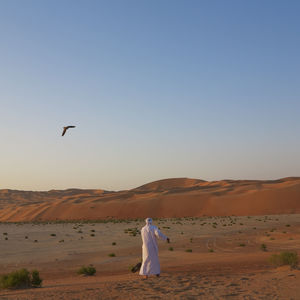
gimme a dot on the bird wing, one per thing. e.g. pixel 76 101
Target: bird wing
pixel 65 129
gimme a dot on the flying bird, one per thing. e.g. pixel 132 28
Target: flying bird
pixel 66 128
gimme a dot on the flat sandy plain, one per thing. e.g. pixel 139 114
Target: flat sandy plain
pixel 236 269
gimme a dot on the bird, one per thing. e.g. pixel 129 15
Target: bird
pixel 66 128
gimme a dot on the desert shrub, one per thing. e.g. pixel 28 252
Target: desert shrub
pixel 211 250
pixel 188 250
pixel 88 271
pixel 242 245
pixel 263 247
pixel 284 258
pixel 35 278
pixel 171 249
pixel 112 254
pixel 92 234
pixel 20 279
pixel 52 234
pixel 114 243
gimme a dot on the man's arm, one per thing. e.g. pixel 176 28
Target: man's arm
pixel 160 235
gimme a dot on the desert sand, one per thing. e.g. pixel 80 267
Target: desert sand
pixel 226 261
pixel 169 198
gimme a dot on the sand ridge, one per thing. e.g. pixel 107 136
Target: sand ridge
pixel 175 197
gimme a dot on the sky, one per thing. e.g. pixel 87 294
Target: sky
pixel 157 89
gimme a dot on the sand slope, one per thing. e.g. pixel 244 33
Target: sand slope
pixel 175 197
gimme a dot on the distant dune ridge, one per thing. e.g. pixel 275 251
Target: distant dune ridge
pixel 175 197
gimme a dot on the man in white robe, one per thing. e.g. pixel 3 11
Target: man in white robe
pixel 150 234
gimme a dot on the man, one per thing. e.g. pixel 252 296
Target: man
pixel 150 264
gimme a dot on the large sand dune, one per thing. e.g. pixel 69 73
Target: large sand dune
pixel 175 197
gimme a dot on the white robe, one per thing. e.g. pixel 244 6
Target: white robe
pixel 150 264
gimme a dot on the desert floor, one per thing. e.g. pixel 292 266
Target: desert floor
pixel 226 261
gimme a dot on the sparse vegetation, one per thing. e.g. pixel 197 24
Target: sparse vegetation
pixel 211 250
pixel 87 271
pixel 242 245
pixel 20 279
pixel 171 249
pixel 112 254
pixel 188 250
pixel 114 243
pixel 132 231
pixel 284 258
pixel 52 234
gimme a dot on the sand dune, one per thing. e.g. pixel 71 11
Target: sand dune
pixel 176 197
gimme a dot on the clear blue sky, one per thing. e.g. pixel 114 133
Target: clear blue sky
pixel 157 89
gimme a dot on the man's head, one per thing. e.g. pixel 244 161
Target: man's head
pixel 148 221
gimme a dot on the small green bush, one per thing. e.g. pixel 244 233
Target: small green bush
pixel 263 247
pixel 114 243
pixel 112 254
pixel 20 279
pixel 188 250
pixel 35 278
pixel 284 258
pixel 171 249
pixel 242 245
pixel 52 234
pixel 211 250
pixel 88 271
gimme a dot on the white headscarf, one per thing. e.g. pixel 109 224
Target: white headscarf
pixel 148 221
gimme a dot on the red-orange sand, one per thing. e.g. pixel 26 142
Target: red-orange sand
pixel 165 198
